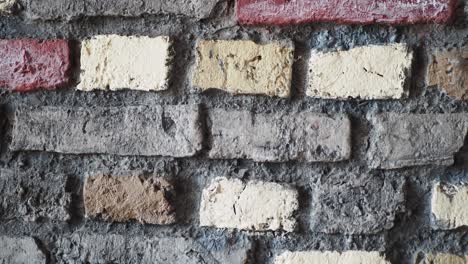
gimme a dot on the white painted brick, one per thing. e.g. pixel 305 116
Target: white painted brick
pixel 369 72
pixel 317 257
pixel 117 62
pixel 243 67
pixel 258 206
pixel 450 205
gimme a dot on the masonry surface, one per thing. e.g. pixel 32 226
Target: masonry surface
pixel 204 132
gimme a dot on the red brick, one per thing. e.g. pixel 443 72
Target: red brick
pixel 28 64
pixel 344 11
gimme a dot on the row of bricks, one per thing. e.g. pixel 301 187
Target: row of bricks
pixel 254 11
pixel 240 67
pixel 396 140
pixel 92 248
pixel 233 203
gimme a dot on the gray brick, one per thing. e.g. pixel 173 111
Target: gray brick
pixel 86 248
pixel 147 131
pixel 20 251
pixel 71 9
pixel 402 140
pixel 356 204
pixel 30 195
pixel 279 137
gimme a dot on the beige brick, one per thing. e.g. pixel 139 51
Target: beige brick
pixel 449 70
pixel 449 205
pixel 369 72
pixel 258 206
pixel 243 67
pixel 317 257
pixel 443 259
pixel 117 62
pixel 126 198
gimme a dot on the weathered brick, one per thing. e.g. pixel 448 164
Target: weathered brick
pixel 369 72
pixel 442 258
pixel 29 64
pixel 278 137
pixel 126 198
pixel 353 205
pixel 317 257
pixel 92 248
pixel 344 11
pixel 7 6
pixel 22 250
pixel 259 206
pixel 243 67
pixel 143 130
pixel 449 70
pixel 30 195
pixel 72 9
pixel 449 205
pixel 117 62
pixel 401 140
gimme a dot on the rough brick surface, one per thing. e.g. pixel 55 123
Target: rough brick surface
pixel 344 11
pixel 31 195
pixel 449 205
pixel 442 259
pixel 303 136
pixel 147 131
pixel 20 251
pixel 117 62
pixel 401 140
pixel 317 257
pixel 72 9
pixel 122 199
pixel 258 206
pixel 28 64
pixel 87 248
pixel 369 72
pixel 6 6
pixel 243 67
pixel 344 203
pixel 449 70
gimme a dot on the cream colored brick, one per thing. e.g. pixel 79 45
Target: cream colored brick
pixel 258 206
pixel 443 259
pixel 243 67
pixel 117 62
pixel 369 72
pixel 6 6
pixel 329 257
pixel 450 205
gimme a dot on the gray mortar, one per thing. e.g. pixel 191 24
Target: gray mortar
pixel 411 233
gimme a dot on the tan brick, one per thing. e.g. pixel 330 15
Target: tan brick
pixel 449 205
pixel 317 257
pixel 117 62
pixel 126 198
pixel 449 70
pixel 443 259
pixel 259 206
pixel 369 72
pixel 243 67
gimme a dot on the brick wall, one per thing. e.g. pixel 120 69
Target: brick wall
pixel 222 131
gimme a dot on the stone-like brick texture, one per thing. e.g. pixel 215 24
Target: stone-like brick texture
pixel 117 62
pixel 278 137
pixel 258 206
pixel 31 195
pixel 449 205
pixel 402 140
pixel 143 130
pixel 7 6
pixel 93 248
pixel 317 257
pixel 449 71
pixel 20 251
pixel 442 258
pixel 344 11
pixel 243 67
pixel 344 203
pixel 370 72
pixel 125 198
pixel 29 64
